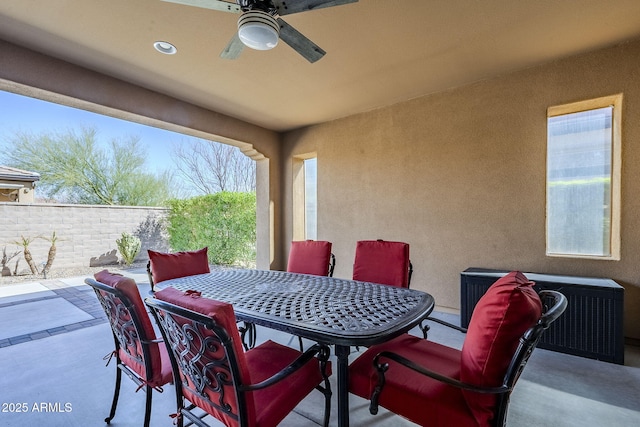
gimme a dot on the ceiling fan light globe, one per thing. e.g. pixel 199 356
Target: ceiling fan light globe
pixel 258 30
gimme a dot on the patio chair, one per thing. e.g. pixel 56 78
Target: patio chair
pixel 388 263
pixel 435 385
pixel 259 387
pixel 138 353
pixel 384 262
pixel 311 257
pixel 166 266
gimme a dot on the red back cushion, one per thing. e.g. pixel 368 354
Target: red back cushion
pixel 129 288
pixel 379 261
pixel 508 308
pixel 166 266
pixel 310 257
pixel 223 315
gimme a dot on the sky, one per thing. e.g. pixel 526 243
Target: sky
pixel 24 114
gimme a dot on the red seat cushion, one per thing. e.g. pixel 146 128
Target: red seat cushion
pixel 309 257
pixel 379 261
pixel 166 266
pixel 266 360
pixel 414 396
pixel 508 308
pixel 160 364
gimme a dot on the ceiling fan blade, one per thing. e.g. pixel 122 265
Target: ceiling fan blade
pixel 287 7
pixel 219 5
pixel 305 47
pixel 233 48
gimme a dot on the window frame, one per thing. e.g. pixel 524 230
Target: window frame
pixel 614 101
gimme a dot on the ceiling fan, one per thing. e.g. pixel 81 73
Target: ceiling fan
pixel 260 25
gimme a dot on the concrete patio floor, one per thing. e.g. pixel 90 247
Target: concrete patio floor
pixel 54 335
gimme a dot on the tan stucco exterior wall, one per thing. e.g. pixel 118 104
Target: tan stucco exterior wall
pixel 460 175
pixel 29 73
pixel 10 191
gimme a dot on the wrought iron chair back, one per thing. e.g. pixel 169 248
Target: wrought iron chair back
pixel 204 360
pixel 209 367
pixel 137 352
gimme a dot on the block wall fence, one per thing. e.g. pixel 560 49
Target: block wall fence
pixel 86 233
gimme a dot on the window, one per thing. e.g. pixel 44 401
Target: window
pixel 311 198
pixel 583 179
pixel 305 202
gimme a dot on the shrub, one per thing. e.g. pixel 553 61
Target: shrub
pixel 129 246
pixel 225 222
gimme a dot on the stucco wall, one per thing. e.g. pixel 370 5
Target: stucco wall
pixel 9 192
pixel 87 234
pixel 460 175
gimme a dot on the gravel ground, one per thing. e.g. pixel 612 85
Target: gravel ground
pixel 59 273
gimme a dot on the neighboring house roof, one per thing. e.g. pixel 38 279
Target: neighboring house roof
pixel 14 174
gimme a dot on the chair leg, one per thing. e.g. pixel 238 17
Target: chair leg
pixel 327 403
pixel 116 394
pixel 147 409
pixel 323 356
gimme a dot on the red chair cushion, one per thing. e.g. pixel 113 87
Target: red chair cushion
pixel 160 365
pixel 379 261
pixel 309 257
pixel 166 266
pixel 266 360
pixel 223 315
pixel 508 308
pixel 414 396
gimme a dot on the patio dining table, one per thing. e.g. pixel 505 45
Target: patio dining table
pixel 329 310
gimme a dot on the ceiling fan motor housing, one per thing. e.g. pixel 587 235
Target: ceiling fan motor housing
pixel 258 30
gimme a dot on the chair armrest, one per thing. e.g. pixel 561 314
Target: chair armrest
pixel 381 368
pixel 317 349
pixel 447 324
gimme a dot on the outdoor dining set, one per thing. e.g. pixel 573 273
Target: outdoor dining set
pixel 205 343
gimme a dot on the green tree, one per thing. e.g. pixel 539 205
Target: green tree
pixel 74 168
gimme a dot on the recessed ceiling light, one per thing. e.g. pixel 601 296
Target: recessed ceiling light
pixel 165 47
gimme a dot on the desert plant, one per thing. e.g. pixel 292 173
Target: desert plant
pixel 25 242
pixel 5 260
pixel 129 246
pixel 15 269
pixel 52 253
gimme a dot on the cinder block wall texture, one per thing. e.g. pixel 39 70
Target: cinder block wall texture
pixel 86 233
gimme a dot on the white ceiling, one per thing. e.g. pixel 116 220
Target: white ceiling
pixel 378 52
